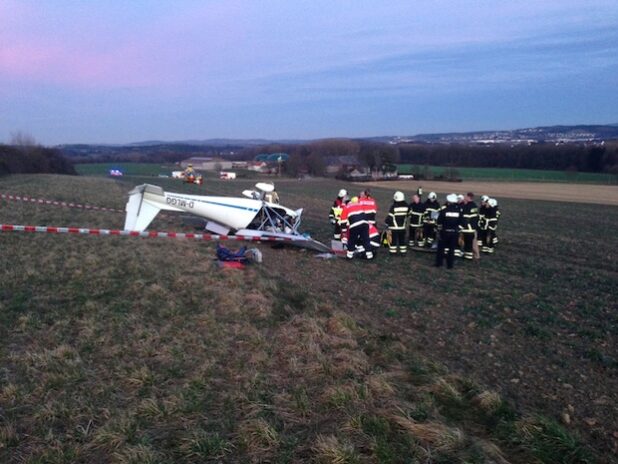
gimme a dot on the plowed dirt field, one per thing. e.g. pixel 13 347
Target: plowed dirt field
pixel 579 193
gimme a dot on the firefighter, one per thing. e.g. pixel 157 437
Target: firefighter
pixel 432 208
pixel 370 206
pixel 396 223
pixel 189 171
pixel 335 212
pixel 419 192
pixel 497 220
pixel 459 251
pixel 417 211
pixel 272 197
pixel 354 224
pixel 482 231
pixel 491 220
pixel 470 226
pixel 449 224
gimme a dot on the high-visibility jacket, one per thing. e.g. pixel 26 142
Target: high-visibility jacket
pixel 370 207
pixel 397 215
pixel 374 236
pixel 417 211
pixel 470 217
pixel 335 210
pixel 353 215
pixel 431 208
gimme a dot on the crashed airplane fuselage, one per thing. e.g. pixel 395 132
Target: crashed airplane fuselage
pixel 247 217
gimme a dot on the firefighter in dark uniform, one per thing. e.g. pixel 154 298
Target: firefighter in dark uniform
pixel 335 213
pixel 357 228
pixel 459 251
pixel 470 226
pixel 417 212
pixel 482 222
pixel 497 220
pixel 432 208
pixel 449 223
pixel 396 223
pixel 491 220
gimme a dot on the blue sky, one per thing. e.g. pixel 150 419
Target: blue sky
pixel 117 71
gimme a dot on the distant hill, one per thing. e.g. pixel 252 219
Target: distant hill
pixel 215 142
pixel 172 151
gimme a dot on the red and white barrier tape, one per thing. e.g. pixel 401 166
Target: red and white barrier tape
pixel 133 233
pixel 43 201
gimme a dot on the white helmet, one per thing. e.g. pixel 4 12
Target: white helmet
pixel 460 198
pixel 432 195
pixel 451 198
pixel 484 198
pixel 342 193
pixel 399 196
pixel 492 202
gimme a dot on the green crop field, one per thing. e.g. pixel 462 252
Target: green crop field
pixel 124 349
pixel 513 175
pixel 129 169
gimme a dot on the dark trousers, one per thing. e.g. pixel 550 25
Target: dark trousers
pixel 337 232
pixel 359 235
pixel 448 239
pixel 429 232
pixel 398 241
pixel 468 238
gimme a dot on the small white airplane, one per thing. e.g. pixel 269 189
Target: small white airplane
pixel 248 217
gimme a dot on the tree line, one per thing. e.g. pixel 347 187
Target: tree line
pixel 567 156
pixel 312 157
pixel 31 159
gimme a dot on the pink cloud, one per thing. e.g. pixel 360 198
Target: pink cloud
pixel 71 65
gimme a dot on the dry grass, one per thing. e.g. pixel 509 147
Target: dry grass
pixel 136 350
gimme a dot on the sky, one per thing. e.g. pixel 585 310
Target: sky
pixel 117 71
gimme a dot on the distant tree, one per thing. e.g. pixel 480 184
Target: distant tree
pixel 315 164
pixel 293 164
pixel 22 140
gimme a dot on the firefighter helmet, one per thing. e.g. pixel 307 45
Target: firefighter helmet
pixel 354 200
pixel 451 198
pixel 342 193
pixel 492 202
pixel 484 198
pixel 460 197
pixel 432 195
pixel 399 196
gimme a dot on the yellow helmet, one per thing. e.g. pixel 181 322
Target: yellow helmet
pixel 354 200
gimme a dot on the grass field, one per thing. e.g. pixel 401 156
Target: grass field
pixel 141 350
pixel 129 169
pixel 515 175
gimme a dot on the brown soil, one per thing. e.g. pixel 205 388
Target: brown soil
pixel 578 193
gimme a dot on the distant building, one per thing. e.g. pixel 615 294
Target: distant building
pixel 207 163
pixel 268 163
pixel 341 164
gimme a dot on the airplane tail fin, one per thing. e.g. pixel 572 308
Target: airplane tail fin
pixel 141 212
